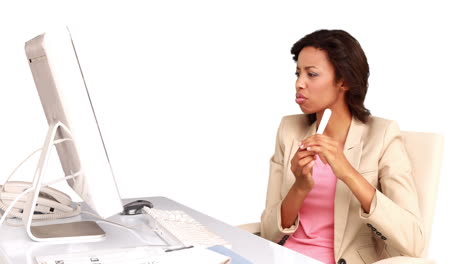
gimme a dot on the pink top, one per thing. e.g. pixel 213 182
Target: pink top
pixel 314 236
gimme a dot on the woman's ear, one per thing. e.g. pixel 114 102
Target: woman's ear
pixel 342 85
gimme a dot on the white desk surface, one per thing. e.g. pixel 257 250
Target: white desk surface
pixel 17 248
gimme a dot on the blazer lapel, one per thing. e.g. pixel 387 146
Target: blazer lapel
pixel 294 146
pixel 312 130
pixel 352 151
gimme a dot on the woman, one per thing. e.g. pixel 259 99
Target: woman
pixel 346 196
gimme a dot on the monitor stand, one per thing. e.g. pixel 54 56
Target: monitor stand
pixel 85 231
pixel 67 231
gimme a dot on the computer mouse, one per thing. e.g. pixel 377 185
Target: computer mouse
pixel 134 208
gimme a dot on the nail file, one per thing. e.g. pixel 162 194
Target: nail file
pixel 323 123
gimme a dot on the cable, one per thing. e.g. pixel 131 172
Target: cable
pixel 43 216
pixel 36 217
pixel 58 141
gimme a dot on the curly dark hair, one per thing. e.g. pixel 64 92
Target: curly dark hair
pixel 348 60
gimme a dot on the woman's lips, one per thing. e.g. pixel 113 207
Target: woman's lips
pixel 300 98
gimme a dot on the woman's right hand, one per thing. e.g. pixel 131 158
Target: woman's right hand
pixel 301 167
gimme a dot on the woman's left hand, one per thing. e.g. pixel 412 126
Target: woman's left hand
pixel 330 152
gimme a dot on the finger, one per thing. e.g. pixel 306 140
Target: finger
pixel 323 159
pixel 321 152
pixel 307 170
pixel 310 140
pixel 315 149
pixel 303 162
pixel 296 163
pixel 301 146
pixel 318 140
pixel 326 150
pixel 304 153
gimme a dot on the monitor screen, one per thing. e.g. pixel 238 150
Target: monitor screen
pixel 65 98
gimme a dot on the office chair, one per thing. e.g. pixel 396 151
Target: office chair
pixel 425 153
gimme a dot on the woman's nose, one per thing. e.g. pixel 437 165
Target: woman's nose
pixel 300 84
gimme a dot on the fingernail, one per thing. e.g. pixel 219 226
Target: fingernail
pixel 301 146
pixel 309 148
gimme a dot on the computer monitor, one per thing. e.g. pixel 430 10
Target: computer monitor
pixel 67 106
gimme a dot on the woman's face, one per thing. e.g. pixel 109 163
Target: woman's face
pixel 316 88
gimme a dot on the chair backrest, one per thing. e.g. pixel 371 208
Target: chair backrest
pixel 425 152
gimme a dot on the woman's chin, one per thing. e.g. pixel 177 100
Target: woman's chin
pixel 308 110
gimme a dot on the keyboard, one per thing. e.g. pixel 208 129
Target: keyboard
pixel 138 255
pixel 187 241
pixel 179 228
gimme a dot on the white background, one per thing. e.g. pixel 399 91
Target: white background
pixel 189 94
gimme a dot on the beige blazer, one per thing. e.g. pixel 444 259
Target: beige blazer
pixel 376 151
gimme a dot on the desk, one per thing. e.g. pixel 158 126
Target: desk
pixel 17 248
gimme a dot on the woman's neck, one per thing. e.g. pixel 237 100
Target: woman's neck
pixel 338 125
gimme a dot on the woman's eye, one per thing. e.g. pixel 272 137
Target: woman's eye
pixel 312 74
pixel 297 74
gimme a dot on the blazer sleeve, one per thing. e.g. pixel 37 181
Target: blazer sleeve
pixel 270 225
pixel 394 214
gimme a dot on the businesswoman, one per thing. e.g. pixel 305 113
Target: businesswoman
pixel 346 196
